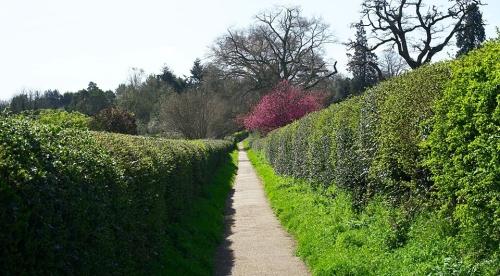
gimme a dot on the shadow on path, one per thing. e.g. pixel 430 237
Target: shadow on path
pixel 254 241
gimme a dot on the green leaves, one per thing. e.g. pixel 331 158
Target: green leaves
pixel 464 146
pixel 80 202
pixel 429 137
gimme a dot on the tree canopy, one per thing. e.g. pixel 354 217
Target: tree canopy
pixel 281 45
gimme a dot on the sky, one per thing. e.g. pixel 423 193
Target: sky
pixel 65 44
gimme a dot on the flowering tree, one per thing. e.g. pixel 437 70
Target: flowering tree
pixel 283 105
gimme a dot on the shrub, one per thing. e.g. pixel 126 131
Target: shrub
pixel 113 119
pixel 464 146
pixel 284 104
pixel 237 136
pixel 64 119
pixel 77 202
pixel 57 117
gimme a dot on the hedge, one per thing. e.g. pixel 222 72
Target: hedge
pixel 464 147
pixel 388 142
pixel 79 202
pixel 367 144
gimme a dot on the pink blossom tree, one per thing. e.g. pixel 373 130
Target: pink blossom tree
pixel 283 105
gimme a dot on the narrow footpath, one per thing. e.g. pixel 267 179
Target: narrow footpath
pixel 255 243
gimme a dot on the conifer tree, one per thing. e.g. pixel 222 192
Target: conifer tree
pixel 362 62
pixel 471 33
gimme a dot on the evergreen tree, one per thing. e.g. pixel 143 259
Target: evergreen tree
pixel 177 83
pixel 196 72
pixel 471 32
pixel 91 100
pixel 362 63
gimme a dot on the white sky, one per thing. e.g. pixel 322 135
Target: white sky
pixel 64 44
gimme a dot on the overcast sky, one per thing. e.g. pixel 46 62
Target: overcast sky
pixel 64 44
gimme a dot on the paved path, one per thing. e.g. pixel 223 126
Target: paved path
pixel 255 243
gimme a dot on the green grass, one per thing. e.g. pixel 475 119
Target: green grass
pixel 193 240
pixel 335 239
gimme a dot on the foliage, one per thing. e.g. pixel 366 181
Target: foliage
pixel 91 100
pixel 200 230
pixel 113 119
pixel 371 146
pixel 64 119
pixel 57 117
pixel 34 100
pixel 464 146
pixel 333 238
pixel 169 78
pixel 471 33
pixel 197 72
pixel 367 144
pixel 284 104
pixel 362 63
pixel 204 105
pixel 281 45
pixel 76 202
pixel 196 113
pixel 141 97
pixel 237 136
pixel 87 101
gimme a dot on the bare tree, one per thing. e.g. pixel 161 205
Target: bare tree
pixel 418 31
pixel 282 45
pixel 392 64
pixel 194 114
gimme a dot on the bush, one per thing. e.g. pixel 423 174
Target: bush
pixel 283 105
pixel 464 146
pixel 57 117
pixel 113 119
pixel 77 202
pixel 237 136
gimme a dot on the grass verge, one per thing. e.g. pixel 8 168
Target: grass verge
pixel 193 240
pixel 335 239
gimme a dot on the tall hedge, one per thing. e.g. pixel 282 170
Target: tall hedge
pixel 367 144
pixel 388 142
pixel 465 146
pixel 78 202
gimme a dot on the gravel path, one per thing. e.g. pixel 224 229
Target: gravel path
pixel 255 243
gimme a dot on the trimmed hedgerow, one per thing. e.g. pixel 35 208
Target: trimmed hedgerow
pixel 464 147
pixel 78 202
pixel 334 238
pixel 367 144
pixel 388 143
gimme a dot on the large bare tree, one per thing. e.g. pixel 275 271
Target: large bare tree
pixel 196 113
pixel 281 45
pixel 417 30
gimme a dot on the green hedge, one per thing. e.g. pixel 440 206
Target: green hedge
pixel 237 136
pixel 376 144
pixel 333 238
pixel 465 146
pixel 78 202
pixel 367 144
